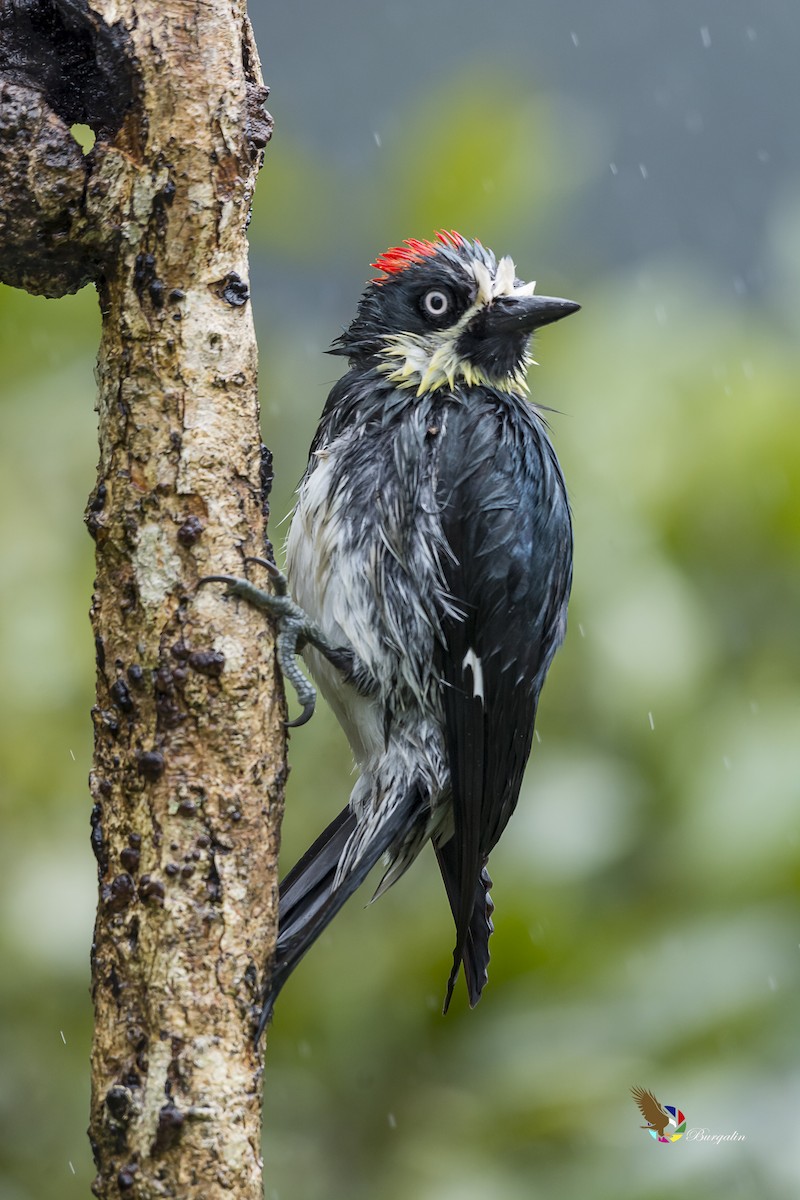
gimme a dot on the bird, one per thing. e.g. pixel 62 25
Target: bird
pixel 428 570
pixel 652 1110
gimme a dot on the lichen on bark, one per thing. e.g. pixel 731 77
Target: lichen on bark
pixel 187 781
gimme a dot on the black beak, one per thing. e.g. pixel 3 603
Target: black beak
pixel 523 314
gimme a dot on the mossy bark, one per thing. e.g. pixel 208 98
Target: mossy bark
pixel 189 740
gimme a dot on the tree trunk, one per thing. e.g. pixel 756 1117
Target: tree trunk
pixel 189 742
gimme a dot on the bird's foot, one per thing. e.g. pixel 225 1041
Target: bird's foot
pixel 295 629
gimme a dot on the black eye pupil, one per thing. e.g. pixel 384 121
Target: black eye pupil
pixel 436 303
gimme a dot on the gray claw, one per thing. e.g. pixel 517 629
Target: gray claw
pixel 294 629
pixel 279 580
pixel 305 716
pixel 290 630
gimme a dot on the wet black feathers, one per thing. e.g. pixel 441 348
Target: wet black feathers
pixel 473 470
pixel 311 896
pixel 505 516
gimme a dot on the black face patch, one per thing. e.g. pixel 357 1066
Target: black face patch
pixel 402 304
pixel 496 355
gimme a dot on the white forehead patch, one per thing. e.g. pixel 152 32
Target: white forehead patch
pixel 501 285
pixel 484 282
pixel 504 277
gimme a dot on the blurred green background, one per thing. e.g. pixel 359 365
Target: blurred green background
pixel 642 159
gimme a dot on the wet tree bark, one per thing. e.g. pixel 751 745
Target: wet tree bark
pixel 189 743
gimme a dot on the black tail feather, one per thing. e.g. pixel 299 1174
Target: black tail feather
pixel 310 879
pixel 309 900
pixel 475 956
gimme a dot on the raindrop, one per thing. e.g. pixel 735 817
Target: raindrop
pixel 773 983
pixel 581 630
pixel 705 36
pixel 643 170
pixel 726 762
pixel 377 138
pixel 754 707
pixel 71 1167
pixel 650 719
pixel 613 168
pixel 392 1119
pixel 751 33
pixel 72 755
pixel 574 38
pixel 537 735
pixel 64 1040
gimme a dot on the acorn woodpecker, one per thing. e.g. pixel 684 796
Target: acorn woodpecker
pixel 429 563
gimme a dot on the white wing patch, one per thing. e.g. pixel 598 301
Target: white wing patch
pixel 472 661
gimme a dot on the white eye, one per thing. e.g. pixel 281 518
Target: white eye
pixel 435 303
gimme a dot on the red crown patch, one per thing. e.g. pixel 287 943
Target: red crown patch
pixel 414 250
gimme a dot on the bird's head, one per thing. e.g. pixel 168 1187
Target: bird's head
pixel 446 311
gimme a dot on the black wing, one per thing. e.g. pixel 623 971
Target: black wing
pixel 506 519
